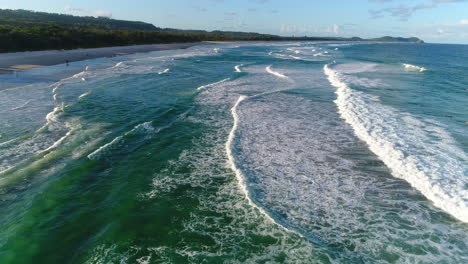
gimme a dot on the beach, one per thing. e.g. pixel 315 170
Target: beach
pixel 10 62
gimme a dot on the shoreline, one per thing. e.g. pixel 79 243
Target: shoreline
pixel 18 61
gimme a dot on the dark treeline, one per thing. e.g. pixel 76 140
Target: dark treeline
pixel 14 38
pixel 22 30
pixel 56 36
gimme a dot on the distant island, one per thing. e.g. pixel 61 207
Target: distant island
pixel 23 30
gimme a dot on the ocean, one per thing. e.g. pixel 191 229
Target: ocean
pixel 288 152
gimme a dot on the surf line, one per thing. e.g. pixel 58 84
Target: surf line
pixel 241 179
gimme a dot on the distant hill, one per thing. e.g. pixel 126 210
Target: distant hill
pixel 31 18
pixel 398 39
pixel 22 30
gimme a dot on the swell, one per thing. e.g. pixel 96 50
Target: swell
pixel 404 144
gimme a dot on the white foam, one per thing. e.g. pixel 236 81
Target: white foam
pixel 84 95
pixel 237 68
pixel 340 45
pixel 269 70
pixel 118 64
pixel 404 144
pixel 213 84
pixel 105 148
pixel 232 161
pixel 52 116
pixel 293 50
pixel 165 71
pixel 410 67
pixel 58 142
pixel 321 54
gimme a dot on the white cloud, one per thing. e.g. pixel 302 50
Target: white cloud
pixel 314 30
pixel 336 29
pixel 464 21
pixel 404 12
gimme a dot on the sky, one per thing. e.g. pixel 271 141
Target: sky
pixel 436 21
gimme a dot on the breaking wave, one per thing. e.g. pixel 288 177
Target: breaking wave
pixel 418 151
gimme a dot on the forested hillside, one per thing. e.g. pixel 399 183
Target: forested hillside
pixel 29 18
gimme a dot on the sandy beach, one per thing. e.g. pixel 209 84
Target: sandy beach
pixel 10 62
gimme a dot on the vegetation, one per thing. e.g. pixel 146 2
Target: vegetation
pixel 14 38
pixel 29 18
pixel 22 30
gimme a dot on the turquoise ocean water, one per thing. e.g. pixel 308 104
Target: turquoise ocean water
pixel 239 153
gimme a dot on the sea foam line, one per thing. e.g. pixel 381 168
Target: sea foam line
pixel 105 148
pixel 269 70
pixel 241 180
pixel 145 129
pixel 58 142
pixel 437 175
pixel 295 57
pixel 21 106
pixel 84 95
pixel 213 84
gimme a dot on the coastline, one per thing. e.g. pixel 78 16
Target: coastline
pixel 11 62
